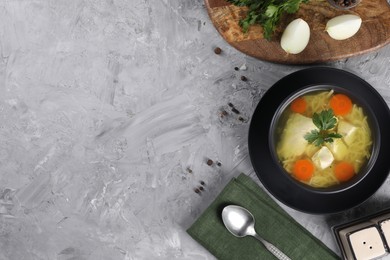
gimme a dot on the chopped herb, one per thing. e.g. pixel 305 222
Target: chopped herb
pixel 234 110
pixel 267 13
pixel 223 113
pixel 324 121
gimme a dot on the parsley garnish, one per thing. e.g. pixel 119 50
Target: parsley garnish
pixel 324 121
pixel 267 13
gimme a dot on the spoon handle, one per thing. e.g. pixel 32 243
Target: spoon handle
pixel 273 249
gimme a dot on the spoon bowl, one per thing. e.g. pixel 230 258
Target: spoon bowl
pixel 240 222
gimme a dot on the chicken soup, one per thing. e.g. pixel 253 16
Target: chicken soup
pixel 324 139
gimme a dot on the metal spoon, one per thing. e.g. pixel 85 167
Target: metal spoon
pixel 240 222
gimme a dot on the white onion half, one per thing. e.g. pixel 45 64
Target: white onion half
pixel 344 26
pixel 295 37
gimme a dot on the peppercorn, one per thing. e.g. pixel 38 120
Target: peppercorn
pixel 217 50
pixel 210 162
pixel 243 78
pixel 346 3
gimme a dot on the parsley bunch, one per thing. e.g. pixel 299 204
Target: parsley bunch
pixel 267 13
pixel 324 121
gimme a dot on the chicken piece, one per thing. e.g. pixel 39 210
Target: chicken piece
pixel 338 149
pixel 347 130
pixel 323 158
pixel 293 143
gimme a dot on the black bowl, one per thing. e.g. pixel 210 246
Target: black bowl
pixel 262 141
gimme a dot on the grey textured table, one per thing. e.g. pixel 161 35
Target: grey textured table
pixel 109 111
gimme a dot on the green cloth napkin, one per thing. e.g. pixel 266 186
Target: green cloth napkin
pixel 272 223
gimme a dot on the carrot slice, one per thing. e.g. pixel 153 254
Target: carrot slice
pixel 303 169
pixel 344 171
pixel 341 104
pixel 298 105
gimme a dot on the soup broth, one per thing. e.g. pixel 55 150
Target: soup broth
pixel 324 139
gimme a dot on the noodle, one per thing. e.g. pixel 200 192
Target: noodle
pixel 361 143
pixel 324 178
pixel 316 103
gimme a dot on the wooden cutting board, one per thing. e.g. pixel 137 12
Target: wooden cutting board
pixel 373 34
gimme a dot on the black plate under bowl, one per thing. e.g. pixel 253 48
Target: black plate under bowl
pixel 262 145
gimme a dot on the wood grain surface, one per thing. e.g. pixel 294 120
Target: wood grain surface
pixel 373 34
